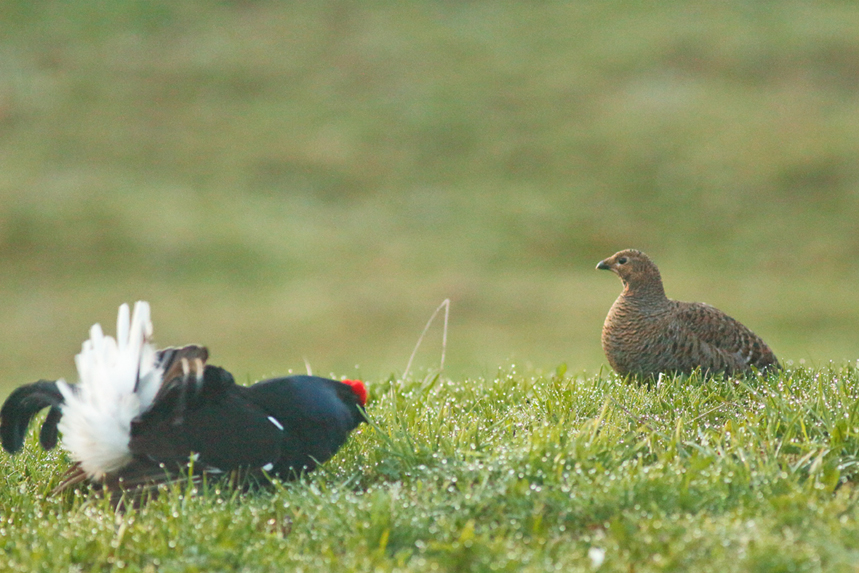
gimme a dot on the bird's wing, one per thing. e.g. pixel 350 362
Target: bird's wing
pixel 135 483
pixel 721 341
pixel 211 417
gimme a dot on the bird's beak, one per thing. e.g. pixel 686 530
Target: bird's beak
pixel 603 266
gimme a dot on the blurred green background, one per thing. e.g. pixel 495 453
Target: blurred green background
pixel 309 180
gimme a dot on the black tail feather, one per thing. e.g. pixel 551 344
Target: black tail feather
pixel 20 407
pixel 48 434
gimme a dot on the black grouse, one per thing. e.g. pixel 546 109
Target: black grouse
pixel 140 416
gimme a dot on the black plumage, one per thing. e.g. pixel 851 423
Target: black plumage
pixel 281 427
pixel 20 407
pixel 284 425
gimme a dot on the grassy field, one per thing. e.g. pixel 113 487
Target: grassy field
pixel 507 473
pixel 306 181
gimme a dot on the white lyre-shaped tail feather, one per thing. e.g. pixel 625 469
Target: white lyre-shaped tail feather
pixel 118 380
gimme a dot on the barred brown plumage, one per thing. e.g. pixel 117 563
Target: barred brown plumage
pixel 646 333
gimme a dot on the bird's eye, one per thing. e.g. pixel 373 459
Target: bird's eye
pixel 621 261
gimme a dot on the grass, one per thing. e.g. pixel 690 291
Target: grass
pixel 308 180
pixel 513 472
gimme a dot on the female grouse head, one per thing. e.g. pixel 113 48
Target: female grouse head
pixel 638 273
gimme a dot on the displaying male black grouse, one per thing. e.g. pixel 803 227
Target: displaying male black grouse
pixel 140 417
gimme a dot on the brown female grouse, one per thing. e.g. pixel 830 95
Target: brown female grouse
pixel 647 333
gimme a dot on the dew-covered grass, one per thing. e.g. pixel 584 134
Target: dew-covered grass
pixel 513 472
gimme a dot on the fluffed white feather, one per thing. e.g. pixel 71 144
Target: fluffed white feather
pixel 118 380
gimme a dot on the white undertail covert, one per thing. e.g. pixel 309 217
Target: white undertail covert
pixel 118 380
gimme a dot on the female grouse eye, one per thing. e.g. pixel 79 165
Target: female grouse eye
pixel 621 261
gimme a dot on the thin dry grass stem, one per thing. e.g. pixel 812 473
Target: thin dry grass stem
pixel 446 305
pixel 707 413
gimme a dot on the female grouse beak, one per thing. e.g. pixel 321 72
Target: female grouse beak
pixel 603 266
